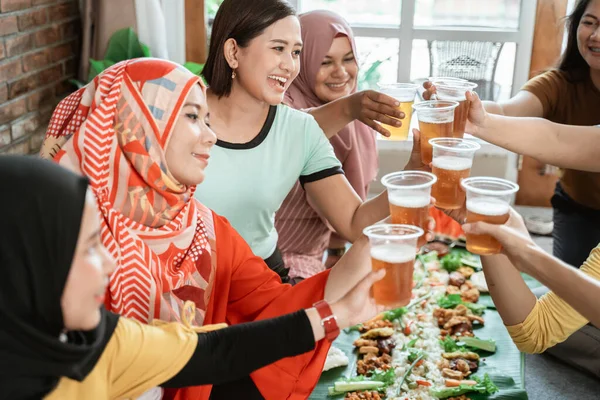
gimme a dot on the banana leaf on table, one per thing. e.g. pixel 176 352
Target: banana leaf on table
pixel 506 367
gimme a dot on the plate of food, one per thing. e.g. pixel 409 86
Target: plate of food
pixel 449 342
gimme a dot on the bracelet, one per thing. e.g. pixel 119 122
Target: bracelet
pixel 336 252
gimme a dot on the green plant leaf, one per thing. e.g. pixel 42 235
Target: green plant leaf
pixel 97 66
pixel 193 67
pixel 124 45
pixel 370 76
pixel 77 83
pixel 146 50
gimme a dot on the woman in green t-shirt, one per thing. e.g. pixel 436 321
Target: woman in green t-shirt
pixel 264 147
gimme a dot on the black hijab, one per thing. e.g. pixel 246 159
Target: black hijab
pixel 42 206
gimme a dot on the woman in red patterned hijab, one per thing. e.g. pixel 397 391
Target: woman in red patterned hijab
pixel 139 133
pixel 116 131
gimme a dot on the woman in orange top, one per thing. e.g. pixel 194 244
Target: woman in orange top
pixel 139 133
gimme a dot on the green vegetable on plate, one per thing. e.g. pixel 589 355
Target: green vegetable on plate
pixel 483 386
pixel 481 344
pixel 453 300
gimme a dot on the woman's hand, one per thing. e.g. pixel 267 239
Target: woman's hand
pixel 513 236
pixel 372 108
pixel 477 115
pixel 357 305
pixel 429 90
pixel 415 162
pixel 459 214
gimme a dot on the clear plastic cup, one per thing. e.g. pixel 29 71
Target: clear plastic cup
pixel 454 90
pixel 393 248
pixel 405 93
pixel 446 78
pixel 452 161
pixel 409 195
pixel 436 119
pixel 488 200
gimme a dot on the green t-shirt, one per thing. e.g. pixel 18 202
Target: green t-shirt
pixel 247 182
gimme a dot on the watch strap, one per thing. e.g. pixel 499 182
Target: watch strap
pixel 328 320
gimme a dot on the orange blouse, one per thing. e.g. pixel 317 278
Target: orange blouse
pixel 245 289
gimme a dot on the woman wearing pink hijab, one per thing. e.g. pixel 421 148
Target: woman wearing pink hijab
pixel 328 72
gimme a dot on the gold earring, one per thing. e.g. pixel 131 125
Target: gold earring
pixel 233 75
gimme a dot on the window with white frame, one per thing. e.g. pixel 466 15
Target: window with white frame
pixel 487 41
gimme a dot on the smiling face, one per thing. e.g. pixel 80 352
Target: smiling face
pixel 588 35
pixel 189 147
pixel 88 277
pixel 337 75
pixel 271 61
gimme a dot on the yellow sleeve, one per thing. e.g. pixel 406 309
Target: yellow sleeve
pixel 552 320
pixel 145 356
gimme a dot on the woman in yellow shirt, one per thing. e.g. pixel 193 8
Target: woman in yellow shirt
pixel 58 342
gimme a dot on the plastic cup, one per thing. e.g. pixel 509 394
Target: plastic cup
pixel 446 78
pixel 393 248
pixel 488 200
pixel 454 90
pixel 405 93
pixel 436 119
pixel 409 195
pixel 452 161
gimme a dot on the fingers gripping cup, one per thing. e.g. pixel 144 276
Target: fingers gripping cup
pixel 436 119
pixel 409 194
pixel 454 90
pixel 488 200
pixel 405 93
pixel 452 161
pixel 393 248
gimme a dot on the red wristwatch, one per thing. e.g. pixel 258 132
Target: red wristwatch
pixel 328 320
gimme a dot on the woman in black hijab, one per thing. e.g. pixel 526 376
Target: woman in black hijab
pixel 58 342
pixel 42 206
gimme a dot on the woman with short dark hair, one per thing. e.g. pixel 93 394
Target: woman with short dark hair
pixel 264 147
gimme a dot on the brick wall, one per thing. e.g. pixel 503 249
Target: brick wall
pixel 39 48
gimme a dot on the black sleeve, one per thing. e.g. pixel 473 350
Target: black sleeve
pixel 317 176
pixel 234 352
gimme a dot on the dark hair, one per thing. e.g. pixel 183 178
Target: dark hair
pixel 242 20
pixel 572 62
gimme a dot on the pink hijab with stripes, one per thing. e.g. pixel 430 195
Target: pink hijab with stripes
pixel 355 145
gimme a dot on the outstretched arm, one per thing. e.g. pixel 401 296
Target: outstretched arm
pixel 566 146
